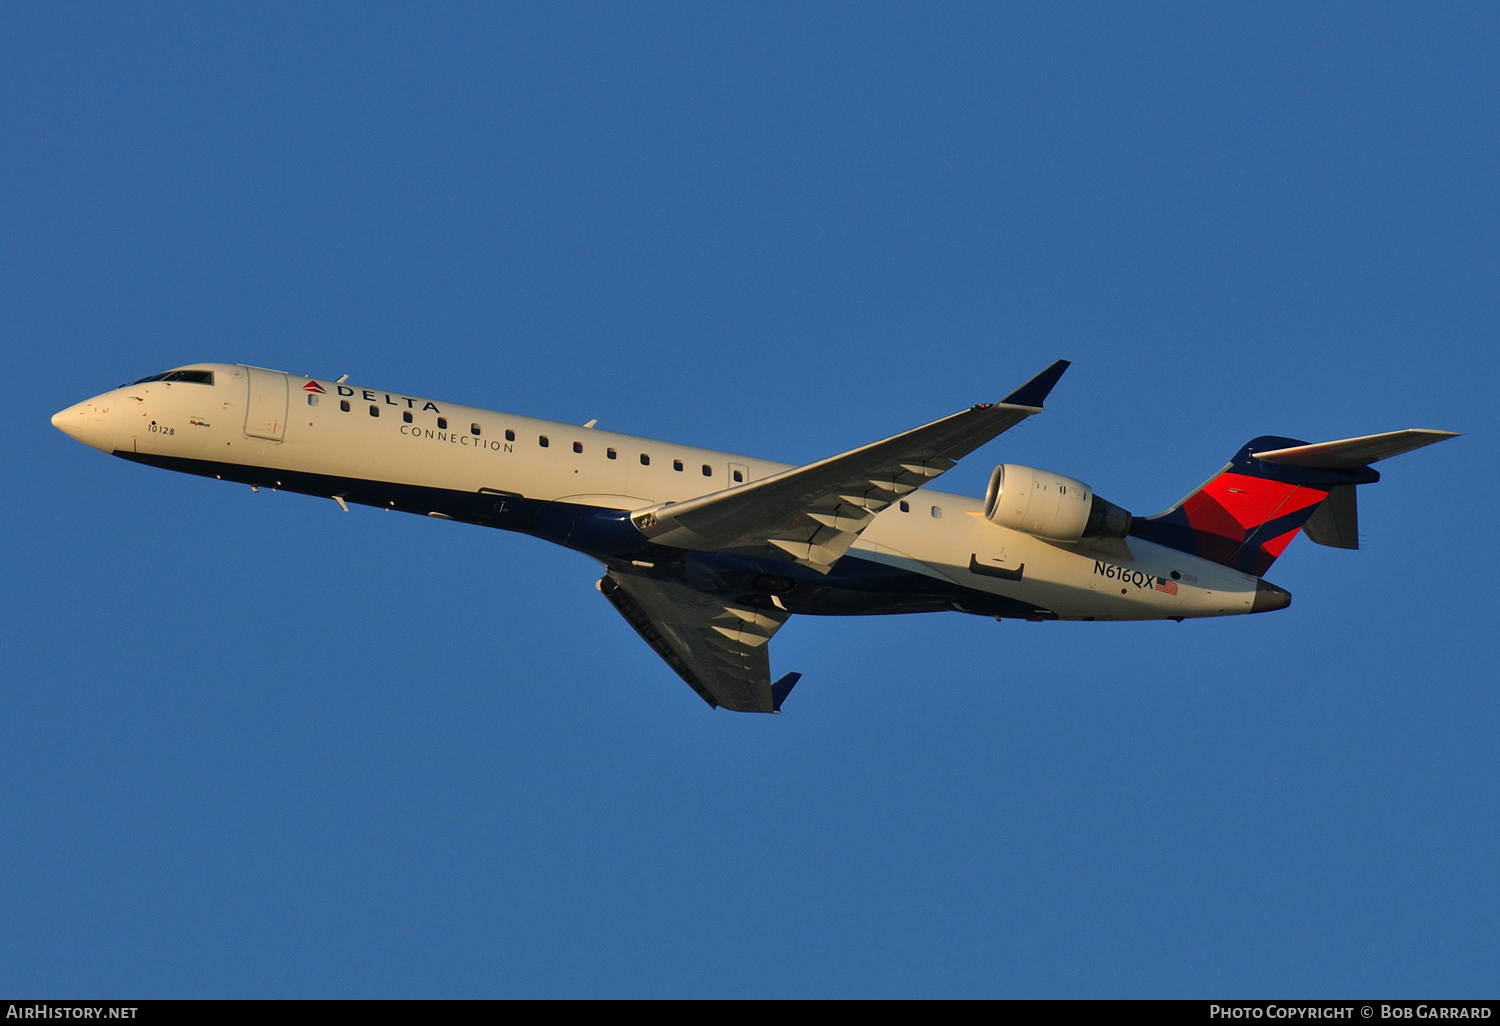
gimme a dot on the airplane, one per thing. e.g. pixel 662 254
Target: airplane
pixel 707 554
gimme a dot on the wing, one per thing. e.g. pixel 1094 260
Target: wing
pixel 719 649
pixel 813 514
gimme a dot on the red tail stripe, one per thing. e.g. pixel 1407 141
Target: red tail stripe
pixel 1254 500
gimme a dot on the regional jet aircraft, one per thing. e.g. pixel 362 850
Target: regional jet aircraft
pixel 706 554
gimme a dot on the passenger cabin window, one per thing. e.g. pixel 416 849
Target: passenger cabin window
pixel 374 411
pixel 739 477
pixel 905 506
pixel 510 436
pixel 474 429
pixel 312 400
pixel 578 447
pixel 645 460
pixel 542 441
pixel 610 453
pixel 343 404
pixel 707 470
pixel 405 414
pixel 676 464
pixel 937 512
pixel 442 423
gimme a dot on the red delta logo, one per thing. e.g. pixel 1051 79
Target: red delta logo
pixel 1235 512
pixel 313 386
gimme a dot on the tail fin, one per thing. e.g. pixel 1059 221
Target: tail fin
pixel 1249 512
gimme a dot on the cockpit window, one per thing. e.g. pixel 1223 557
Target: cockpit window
pixel 197 377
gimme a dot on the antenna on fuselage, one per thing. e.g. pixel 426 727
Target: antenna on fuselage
pixel 592 422
pixel 341 379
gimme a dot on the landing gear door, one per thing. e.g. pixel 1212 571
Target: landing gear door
pixel 265 409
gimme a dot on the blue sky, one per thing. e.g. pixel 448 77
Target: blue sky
pixel 257 747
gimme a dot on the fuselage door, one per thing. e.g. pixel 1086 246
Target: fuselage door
pixel 265 409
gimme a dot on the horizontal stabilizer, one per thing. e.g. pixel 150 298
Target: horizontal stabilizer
pixel 1350 453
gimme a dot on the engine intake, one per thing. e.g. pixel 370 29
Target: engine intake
pixel 1051 506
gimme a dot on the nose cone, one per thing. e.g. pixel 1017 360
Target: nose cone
pixel 89 422
pixel 1269 597
pixel 69 421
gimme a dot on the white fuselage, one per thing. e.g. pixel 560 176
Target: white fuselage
pixel 240 423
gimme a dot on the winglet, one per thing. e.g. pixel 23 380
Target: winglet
pixel 1035 391
pixel 782 688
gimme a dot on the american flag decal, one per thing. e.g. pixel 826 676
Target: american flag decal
pixel 1170 587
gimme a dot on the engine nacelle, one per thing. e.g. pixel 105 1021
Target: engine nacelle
pixel 1051 506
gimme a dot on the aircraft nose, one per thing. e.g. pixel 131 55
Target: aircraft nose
pixel 69 421
pixel 88 422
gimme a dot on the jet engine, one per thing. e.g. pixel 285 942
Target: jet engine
pixel 1051 506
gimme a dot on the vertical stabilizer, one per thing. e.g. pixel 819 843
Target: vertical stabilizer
pixel 1248 513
